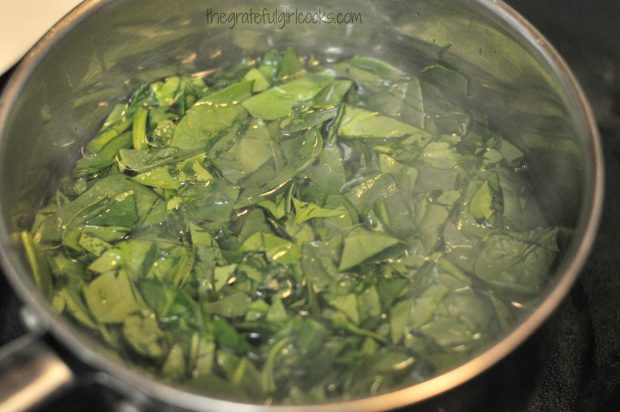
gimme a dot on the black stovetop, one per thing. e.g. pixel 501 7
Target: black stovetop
pixel 573 362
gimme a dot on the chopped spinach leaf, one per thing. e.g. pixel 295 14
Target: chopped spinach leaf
pixel 293 231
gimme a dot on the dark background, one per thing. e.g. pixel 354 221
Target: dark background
pixel 573 362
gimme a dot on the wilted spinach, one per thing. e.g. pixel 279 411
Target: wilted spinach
pixel 293 233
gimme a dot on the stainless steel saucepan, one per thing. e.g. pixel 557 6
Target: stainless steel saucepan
pixel 98 53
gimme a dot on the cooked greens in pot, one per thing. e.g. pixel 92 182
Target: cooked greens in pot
pixel 292 231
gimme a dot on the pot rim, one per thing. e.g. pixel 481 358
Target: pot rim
pixel 566 275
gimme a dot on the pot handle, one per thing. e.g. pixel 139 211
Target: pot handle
pixel 29 373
